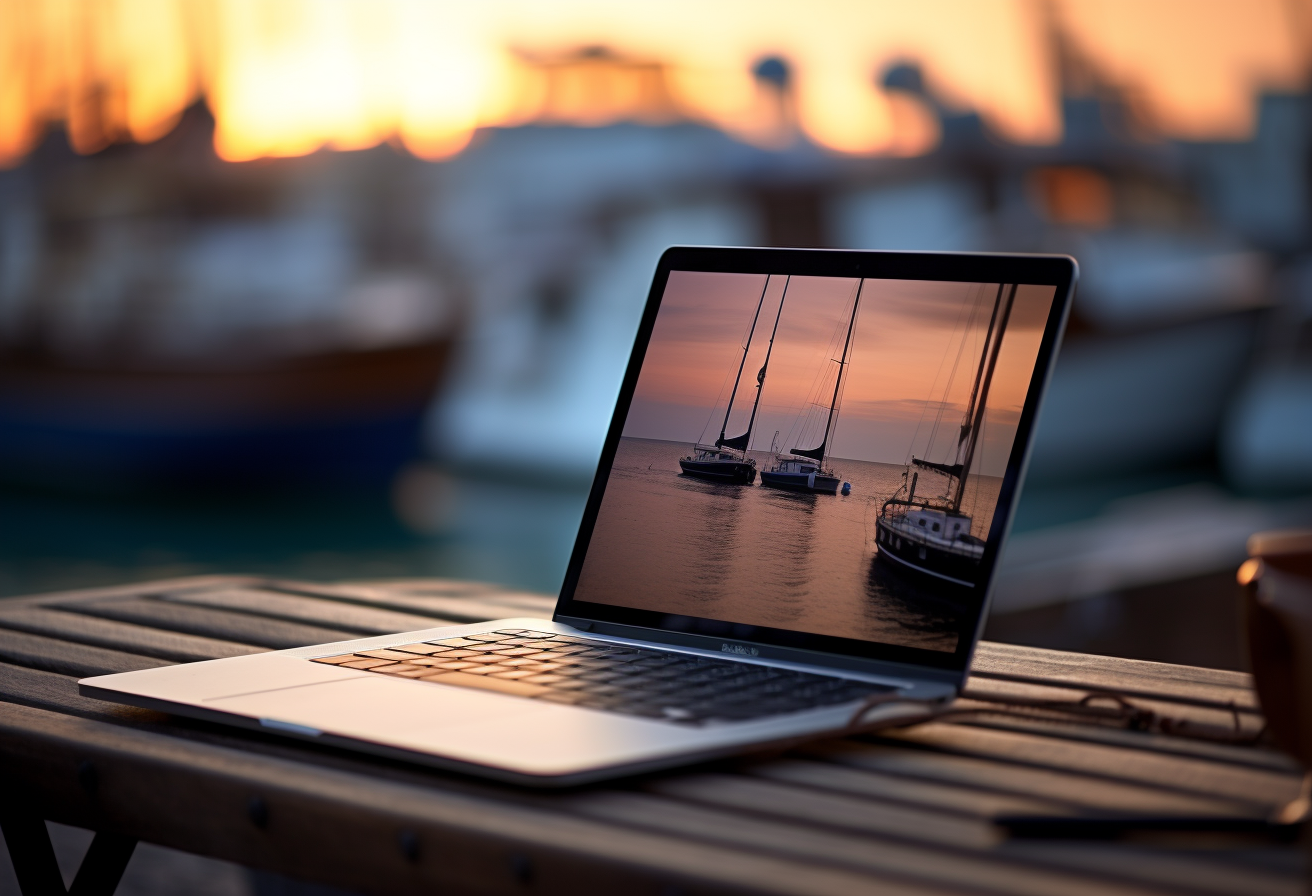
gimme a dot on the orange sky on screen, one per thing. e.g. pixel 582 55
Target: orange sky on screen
pixel 908 336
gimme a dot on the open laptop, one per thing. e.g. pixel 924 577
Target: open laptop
pixel 798 511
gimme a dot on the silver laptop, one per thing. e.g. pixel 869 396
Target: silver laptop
pixel 793 529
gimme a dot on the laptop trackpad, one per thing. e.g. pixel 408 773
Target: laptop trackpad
pixel 374 707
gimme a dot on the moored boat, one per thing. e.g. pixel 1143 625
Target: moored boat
pixel 932 536
pixel 718 465
pixel 803 469
pixel 727 460
pixel 801 474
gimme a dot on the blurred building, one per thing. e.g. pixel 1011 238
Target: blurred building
pixel 327 197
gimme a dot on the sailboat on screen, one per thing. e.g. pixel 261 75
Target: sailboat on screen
pixel 727 460
pixel 931 536
pixel 803 469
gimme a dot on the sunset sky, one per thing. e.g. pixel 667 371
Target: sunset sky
pixel 908 338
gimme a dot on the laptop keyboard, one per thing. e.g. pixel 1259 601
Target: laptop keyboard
pixel 635 681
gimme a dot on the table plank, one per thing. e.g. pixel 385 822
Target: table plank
pixel 1263 788
pixel 1086 672
pixel 1219 718
pixel 864 816
pixel 358 620
pixel 1075 791
pixel 461 602
pixel 137 639
pixel 901 790
pixel 53 655
pixel 56 692
pixel 946 868
pixel 210 623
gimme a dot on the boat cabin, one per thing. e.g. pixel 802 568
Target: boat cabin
pixel 715 454
pixel 796 465
pixel 939 523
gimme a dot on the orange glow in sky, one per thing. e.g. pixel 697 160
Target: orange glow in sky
pixel 287 77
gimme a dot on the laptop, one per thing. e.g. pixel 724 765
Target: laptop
pixel 793 531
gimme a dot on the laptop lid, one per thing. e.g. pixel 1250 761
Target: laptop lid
pixel 815 455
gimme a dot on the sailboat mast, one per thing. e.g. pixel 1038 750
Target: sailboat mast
pixel 992 352
pixel 760 376
pixel 838 380
pixel 966 428
pixel 729 409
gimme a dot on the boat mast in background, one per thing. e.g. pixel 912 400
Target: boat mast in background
pixel 818 453
pixel 718 462
pixel 803 469
pixel 721 442
pixel 742 441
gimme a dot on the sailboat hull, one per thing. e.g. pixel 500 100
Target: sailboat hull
pixel 801 482
pixel 957 564
pixel 732 472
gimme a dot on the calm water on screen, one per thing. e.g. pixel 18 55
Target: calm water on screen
pixel 804 562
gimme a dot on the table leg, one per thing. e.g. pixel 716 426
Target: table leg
pixel 38 871
pixel 103 865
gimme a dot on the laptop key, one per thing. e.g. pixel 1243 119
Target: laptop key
pixel 422 649
pixel 396 655
pixel 486 683
pixel 365 663
pixel 397 668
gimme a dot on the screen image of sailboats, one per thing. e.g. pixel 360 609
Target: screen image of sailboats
pixel 865 406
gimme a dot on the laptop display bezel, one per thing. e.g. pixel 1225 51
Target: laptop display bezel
pixel 1057 271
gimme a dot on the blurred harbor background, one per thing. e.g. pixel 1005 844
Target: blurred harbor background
pixel 344 290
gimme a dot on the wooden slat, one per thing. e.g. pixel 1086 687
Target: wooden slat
pixel 52 655
pixel 1071 789
pixel 58 693
pixel 1246 754
pixel 342 828
pixel 1188 870
pixel 762 798
pixel 444 600
pixel 898 789
pixel 136 639
pixel 862 815
pixel 1127 676
pixel 348 617
pixel 950 869
pixel 1144 768
pixel 1222 719
pixel 210 623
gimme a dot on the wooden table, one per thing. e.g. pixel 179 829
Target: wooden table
pixel 905 812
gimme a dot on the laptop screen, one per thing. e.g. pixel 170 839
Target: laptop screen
pixel 816 454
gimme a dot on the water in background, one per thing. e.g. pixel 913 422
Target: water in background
pixel 749 554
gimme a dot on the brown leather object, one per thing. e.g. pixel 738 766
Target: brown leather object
pixel 1277 588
